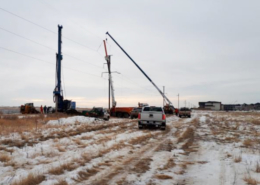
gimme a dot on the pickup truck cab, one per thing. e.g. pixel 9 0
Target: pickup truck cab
pixel 152 116
pixel 185 112
pixel 134 113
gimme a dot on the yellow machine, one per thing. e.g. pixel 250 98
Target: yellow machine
pixel 28 108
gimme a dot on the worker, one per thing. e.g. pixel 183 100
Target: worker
pixel 45 109
pixel 41 110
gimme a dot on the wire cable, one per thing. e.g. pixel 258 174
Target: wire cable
pixel 45 28
pixel 57 11
pixel 47 47
pixel 46 61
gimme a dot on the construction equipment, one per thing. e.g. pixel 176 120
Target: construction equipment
pixel 96 112
pixel 142 104
pixel 169 109
pixel 115 111
pixel 163 95
pixel 61 105
pixel 28 108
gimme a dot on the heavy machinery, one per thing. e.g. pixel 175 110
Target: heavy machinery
pixel 28 108
pixel 97 112
pixel 115 111
pixel 170 105
pixel 169 109
pixel 61 105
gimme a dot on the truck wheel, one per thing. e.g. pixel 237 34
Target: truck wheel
pixel 180 116
pixel 119 115
pixel 126 115
pixel 163 128
pixel 140 126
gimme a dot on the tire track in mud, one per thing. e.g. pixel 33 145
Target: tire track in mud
pixel 136 162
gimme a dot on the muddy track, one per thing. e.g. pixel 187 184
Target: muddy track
pixel 137 161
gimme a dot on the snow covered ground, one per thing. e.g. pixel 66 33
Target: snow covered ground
pixel 208 148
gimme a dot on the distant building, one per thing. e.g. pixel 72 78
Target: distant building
pixel 210 105
pixel 232 107
pixel 243 107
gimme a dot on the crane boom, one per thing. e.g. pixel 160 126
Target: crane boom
pixel 111 86
pixel 163 95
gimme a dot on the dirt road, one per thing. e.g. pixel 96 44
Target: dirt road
pixel 208 148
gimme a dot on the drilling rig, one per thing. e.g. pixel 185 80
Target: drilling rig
pixel 61 105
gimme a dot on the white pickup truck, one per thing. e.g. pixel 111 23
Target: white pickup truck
pixel 152 116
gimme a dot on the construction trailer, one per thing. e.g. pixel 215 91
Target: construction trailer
pixel 170 107
pixel 61 105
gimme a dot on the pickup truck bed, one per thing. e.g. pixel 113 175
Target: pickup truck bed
pixel 185 112
pixel 152 116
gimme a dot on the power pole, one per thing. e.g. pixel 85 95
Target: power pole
pixel 185 103
pixel 109 73
pixel 178 103
pixel 163 96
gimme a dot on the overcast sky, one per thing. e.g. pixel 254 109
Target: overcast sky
pixel 203 50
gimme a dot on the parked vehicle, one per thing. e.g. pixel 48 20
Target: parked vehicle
pixel 97 112
pixel 134 113
pixel 168 109
pixel 152 116
pixel 184 112
pixel 121 112
pixel 28 108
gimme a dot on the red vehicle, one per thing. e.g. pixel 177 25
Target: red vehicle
pixel 121 112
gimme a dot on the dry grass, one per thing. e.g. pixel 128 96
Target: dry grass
pixel 142 166
pixel 180 172
pixel 238 159
pixel 78 141
pixel 62 182
pixel 163 176
pixel 62 168
pixel 4 157
pixel 257 168
pixel 250 180
pixel 248 143
pixel 202 162
pixel 169 164
pixel 84 175
pixel 189 132
pixel 255 122
pixel 31 179
pixel 60 148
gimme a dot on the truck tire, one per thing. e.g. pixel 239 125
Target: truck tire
pixel 119 115
pixel 163 128
pixel 140 126
pixel 126 115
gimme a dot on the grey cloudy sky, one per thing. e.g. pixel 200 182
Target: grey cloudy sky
pixel 204 50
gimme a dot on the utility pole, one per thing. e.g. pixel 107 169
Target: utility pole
pixel 109 73
pixel 163 96
pixel 185 103
pixel 178 103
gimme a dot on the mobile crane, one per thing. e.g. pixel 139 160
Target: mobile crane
pixel 169 105
pixel 115 111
